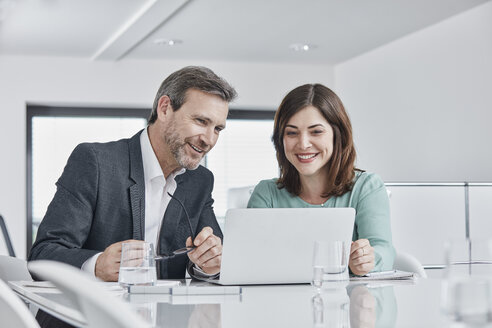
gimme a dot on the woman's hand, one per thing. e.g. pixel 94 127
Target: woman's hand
pixel 362 308
pixel 361 259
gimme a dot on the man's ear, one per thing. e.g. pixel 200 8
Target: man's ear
pixel 164 107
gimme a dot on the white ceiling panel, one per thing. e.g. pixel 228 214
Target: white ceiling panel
pixel 221 30
pixel 75 28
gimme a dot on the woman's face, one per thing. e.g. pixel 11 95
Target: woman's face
pixel 308 142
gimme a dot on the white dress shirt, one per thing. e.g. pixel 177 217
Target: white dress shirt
pixel 156 189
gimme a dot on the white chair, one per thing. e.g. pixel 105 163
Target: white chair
pixel 99 307
pixel 407 262
pixel 239 197
pixel 13 312
pixel 12 268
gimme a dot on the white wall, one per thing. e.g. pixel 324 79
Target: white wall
pixel 126 83
pixel 421 106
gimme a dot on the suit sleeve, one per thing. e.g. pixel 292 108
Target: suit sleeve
pixel 67 223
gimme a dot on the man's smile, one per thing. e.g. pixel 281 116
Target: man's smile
pixel 195 148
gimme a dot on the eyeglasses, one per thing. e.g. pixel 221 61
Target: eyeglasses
pixel 184 250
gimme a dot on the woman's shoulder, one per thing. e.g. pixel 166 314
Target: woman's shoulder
pixel 265 194
pixel 268 185
pixel 365 182
pixel 363 177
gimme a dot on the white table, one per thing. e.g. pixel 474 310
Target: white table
pixel 374 304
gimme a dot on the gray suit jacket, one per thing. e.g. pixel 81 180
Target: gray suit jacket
pixel 100 200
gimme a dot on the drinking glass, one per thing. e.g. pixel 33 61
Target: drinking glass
pixel 137 266
pixel 467 283
pixel 330 262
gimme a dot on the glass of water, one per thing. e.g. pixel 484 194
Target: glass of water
pixel 137 266
pixel 330 262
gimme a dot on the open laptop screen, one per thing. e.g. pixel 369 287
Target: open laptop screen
pixel 275 245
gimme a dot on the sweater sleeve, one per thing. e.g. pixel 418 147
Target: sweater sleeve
pixel 373 221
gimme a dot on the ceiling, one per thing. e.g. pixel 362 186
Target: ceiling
pixel 219 30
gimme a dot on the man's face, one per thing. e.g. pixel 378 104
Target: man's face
pixel 193 130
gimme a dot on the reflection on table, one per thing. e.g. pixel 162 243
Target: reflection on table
pixel 356 305
pixel 373 304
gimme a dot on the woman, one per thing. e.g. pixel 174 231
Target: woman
pixel 315 152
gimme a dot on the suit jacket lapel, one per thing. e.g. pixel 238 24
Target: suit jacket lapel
pixel 137 190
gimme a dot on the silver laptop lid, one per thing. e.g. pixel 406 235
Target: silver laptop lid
pixel 275 245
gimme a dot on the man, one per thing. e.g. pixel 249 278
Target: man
pixel 117 192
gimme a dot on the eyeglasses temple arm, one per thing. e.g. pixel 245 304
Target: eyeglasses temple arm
pixel 187 216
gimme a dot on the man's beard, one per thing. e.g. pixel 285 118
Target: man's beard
pixel 177 148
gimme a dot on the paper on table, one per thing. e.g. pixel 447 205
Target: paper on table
pixel 385 275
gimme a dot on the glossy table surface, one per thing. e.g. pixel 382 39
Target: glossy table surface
pixel 370 304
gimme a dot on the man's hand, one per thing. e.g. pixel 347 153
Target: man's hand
pixel 108 263
pixel 208 252
pixel 361 257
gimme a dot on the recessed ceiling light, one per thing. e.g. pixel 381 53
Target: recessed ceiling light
pixel 168 42
pixel 302 46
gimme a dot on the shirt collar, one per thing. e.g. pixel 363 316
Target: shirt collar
pixel 152 168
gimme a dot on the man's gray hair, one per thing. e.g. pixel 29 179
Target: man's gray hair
pixel 191 77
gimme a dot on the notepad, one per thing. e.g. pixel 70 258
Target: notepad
pixel 385 275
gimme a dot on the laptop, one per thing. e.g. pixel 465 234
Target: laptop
pixel 275 245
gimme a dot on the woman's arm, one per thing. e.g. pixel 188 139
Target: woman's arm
pixel 373 222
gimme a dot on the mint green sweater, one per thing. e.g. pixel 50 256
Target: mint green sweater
pixel 369 199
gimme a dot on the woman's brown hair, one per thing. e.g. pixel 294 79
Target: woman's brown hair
pixel 340 167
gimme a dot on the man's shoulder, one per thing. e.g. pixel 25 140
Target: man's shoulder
pixel 106 150
pixel 199 181
pixel 201 173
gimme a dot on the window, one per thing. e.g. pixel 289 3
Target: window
pixel 52 134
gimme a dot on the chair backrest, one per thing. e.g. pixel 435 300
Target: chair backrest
pixel 407 262
pixel 12 268
pixel 239 197
pixel 13 312
pixel 6 237
pixel 99 307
